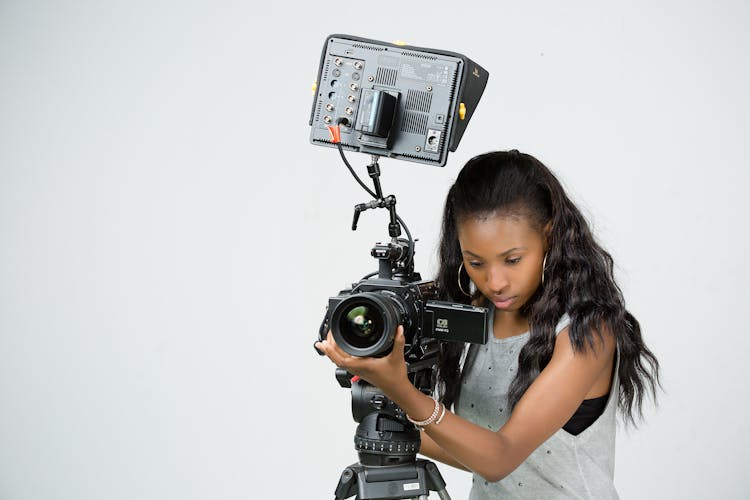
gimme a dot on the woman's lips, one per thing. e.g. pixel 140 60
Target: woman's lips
pixel 502 302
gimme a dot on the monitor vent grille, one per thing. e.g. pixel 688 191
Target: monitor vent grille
pixel 368 47
pixel 317 110
pixel 386 76
pixel 414 123
pixel 419 55
pixel 454 83
pixel 418 100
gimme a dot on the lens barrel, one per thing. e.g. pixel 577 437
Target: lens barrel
pixel 364 324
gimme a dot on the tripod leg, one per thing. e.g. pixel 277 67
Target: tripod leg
pixel 347 484
pixel 436 481
pixel 443 494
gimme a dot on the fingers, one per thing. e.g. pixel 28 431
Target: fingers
pixel 345 360
pixel 400 338
pixel 327 344
pixel 333 351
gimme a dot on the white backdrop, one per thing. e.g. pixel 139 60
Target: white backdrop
pixel 169 236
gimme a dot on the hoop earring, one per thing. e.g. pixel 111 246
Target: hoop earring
pixel 459 281
pixel 544 265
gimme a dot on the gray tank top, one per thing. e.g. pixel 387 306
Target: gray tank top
pixel 564 466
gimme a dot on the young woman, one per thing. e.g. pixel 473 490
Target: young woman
pixel 534 407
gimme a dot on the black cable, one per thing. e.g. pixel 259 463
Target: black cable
pixel 346 162
pixel 408 234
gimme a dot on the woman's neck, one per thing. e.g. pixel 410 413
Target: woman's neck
pixel 509 324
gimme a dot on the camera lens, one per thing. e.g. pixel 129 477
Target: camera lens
pixel 362 323
pixel 365 324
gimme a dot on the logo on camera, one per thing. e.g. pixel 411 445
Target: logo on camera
pixel 441 325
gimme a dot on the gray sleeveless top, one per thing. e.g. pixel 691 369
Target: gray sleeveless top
pixel 564 466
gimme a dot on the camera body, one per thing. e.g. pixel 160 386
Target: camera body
pixel 364 318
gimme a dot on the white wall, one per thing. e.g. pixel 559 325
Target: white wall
pixel 169 236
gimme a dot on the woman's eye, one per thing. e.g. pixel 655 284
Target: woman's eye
pixel 514 261
pixel 475 264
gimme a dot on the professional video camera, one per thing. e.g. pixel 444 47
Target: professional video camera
pixel 413 104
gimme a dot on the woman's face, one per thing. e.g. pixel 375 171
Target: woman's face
pixel 503 256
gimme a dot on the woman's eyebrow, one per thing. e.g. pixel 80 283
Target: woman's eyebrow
pixel 502 254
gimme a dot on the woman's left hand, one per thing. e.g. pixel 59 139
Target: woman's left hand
pixel 387 373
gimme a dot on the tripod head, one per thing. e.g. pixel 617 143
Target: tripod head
pixel 386 438
pixel 384 435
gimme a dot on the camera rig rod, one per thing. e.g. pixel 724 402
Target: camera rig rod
pixel 373 169
pixel 399 262
pixel 389 202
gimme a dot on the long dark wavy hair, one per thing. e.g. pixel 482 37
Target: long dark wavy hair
pixel 578 277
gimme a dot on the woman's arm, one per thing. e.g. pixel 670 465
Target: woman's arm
pixel 545 407
pixel 433 450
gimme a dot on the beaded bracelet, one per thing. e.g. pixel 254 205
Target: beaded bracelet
pixel 442 414
pixel 432 418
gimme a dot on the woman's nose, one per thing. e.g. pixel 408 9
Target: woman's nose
pixel 496 280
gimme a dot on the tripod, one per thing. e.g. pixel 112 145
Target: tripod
pixel 387 445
